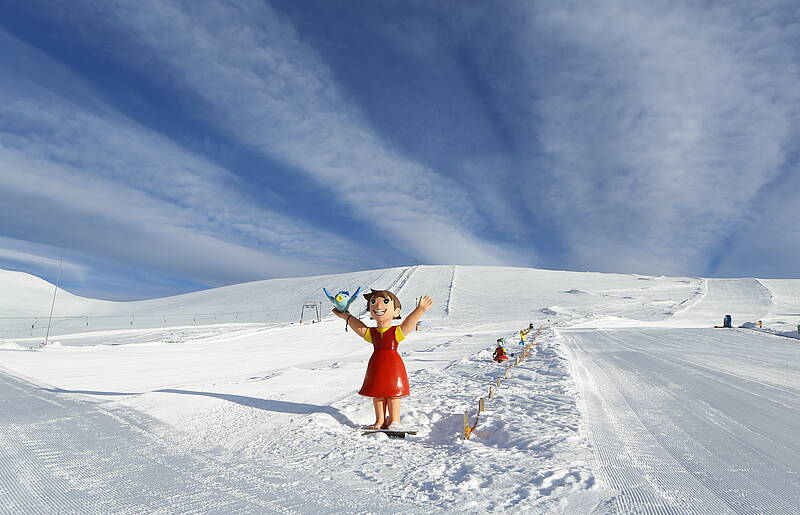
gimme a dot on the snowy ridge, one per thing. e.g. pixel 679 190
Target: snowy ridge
pixel 276 301
pixel 537 294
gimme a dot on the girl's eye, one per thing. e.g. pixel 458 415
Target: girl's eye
pixel 372 301
pixel 385 301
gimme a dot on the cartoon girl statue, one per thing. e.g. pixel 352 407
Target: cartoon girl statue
pixel 500 352
pixel 386 380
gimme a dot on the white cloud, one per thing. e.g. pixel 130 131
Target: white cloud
pixel 68 269
pixel 665 127
pixel 95 164
pixel 135 227
pixel 647 129
pixel 267 89
pixel 651 127
pixel 768 245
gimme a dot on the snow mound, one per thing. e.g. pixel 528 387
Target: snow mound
pixel 785 334
pixel 9 345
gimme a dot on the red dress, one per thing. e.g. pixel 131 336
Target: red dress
pixel 386 374
pixel 500 355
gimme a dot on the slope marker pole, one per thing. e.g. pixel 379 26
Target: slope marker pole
pixel 53 304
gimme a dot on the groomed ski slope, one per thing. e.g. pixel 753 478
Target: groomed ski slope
pixel 691 421
pixel 630 403
pixel 66 455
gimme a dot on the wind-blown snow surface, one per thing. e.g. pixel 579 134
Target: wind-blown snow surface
pixel 625 405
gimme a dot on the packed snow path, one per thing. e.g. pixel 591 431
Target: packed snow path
pixel 693 420
pixel 65 455
pixel 747 300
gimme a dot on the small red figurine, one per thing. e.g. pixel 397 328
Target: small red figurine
pixel 386 380
pixel 500 354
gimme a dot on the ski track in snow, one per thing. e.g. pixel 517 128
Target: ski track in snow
pixel 69 456
pixel 626 405
pixel 692 421
pixel 665 427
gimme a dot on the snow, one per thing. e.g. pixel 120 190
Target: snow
pixel 690 420
pixel 629 402
pixel 11 346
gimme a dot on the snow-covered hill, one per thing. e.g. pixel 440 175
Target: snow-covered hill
pixel 462 293
pixel 630 402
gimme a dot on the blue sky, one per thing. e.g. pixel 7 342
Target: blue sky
pixel 159 147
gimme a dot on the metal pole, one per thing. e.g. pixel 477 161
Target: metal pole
pixel 53 305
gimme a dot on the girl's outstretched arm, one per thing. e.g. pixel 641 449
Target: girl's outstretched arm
pixel 353 322
pixel 410 323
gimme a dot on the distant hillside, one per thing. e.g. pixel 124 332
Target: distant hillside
pixel 460 293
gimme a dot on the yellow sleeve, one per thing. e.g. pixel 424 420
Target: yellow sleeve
pixel 368 335
pixel 399 334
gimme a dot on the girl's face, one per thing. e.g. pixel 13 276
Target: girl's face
pixel 383 310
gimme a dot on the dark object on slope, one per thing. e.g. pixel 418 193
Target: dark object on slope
pixel 727 322
pixel 391 433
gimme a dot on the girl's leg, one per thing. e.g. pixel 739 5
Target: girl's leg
pixel 394 410
pixel 379 404
pixel 386 419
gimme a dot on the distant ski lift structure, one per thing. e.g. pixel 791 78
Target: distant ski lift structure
pixel 313 307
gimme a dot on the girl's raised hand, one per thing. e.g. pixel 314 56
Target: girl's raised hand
pixel 425 302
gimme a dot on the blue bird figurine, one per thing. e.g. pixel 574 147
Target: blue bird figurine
pixel 343 299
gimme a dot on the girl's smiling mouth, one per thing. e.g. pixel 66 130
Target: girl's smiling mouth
pixel 379 312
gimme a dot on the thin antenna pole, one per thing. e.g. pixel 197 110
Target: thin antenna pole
pixel 53 305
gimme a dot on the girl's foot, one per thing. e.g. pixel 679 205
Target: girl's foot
pixel 391 424
pixel 376 425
